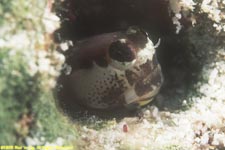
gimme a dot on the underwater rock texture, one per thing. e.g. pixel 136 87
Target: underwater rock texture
pixel 189 111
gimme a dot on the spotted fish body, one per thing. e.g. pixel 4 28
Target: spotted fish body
pixel 102 78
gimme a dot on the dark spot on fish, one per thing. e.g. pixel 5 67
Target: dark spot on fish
pixel 141 88
pixel 155 79
pixel 131 76
pixel 146 67
pixel 137 68
pixel 114 96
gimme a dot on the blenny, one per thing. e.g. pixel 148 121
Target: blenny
pixel 112 70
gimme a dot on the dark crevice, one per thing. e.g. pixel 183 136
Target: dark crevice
pixel 84 18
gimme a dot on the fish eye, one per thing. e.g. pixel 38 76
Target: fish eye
pixel 121 51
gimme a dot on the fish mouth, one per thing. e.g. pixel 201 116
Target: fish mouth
pixel 145 101
pixel 138 104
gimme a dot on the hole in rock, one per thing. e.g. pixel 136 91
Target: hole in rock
pixel 81 19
